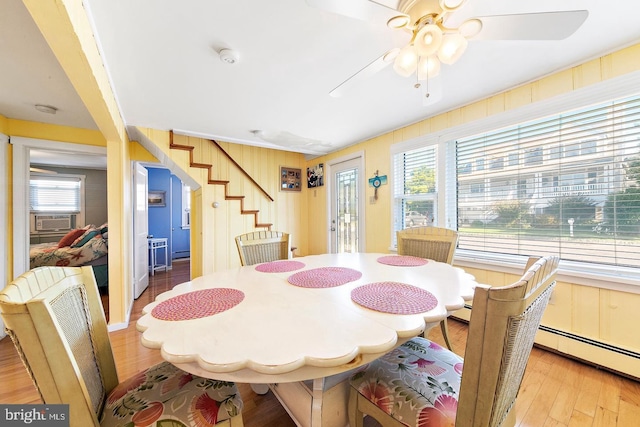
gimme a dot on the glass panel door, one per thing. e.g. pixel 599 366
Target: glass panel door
pixel 345 213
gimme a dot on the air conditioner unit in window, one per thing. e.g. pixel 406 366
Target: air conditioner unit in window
pixel 53 222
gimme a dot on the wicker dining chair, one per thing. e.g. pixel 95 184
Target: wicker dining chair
pixel 438 244
pixel 55 318
pixel 422 383
pixel 263 246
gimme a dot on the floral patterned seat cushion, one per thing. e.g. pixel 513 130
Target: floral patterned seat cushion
pixel 164 395
pixel 417 383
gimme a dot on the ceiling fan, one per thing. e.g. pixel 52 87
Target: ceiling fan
pixel 434 38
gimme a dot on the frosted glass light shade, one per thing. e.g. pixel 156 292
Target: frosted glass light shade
pixel 428 67
pixel 428 40
pixel 452 48
pixel 406 62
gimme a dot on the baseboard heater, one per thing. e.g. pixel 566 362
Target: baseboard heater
pixel 588 341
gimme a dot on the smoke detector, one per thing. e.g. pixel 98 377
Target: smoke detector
pixel 46 108
pixel 228 56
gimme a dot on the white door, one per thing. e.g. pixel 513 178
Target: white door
pixel 140 231
pixel 346 211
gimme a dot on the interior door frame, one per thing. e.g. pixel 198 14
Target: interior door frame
pixel 330 182
pixel 21 163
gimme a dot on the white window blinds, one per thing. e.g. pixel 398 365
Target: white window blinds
pixel 55 194
pixel 414 188
pixel 566 185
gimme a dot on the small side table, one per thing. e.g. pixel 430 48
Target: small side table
pixel 154 245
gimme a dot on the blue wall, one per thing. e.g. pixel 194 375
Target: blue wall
pixel 161 217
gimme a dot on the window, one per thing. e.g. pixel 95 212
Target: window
pixel 466 168
pixel 58 193
pixel 582 207
pixel 414 192
pixel 477 187
pixel 588 147
pixel 496 163
pixel 514 158
pixel 533 156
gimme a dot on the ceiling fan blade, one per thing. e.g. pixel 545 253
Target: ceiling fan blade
pixel 364 73
pixel 360 9
pixel 531 26
pixel 364 10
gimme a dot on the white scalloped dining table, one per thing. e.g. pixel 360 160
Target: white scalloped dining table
pixel 302 319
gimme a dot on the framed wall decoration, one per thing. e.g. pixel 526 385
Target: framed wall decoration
pixel 290 179
pixel 156 198
pixel 315 176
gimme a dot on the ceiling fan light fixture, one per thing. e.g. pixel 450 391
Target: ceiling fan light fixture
pixel 399 21
pixel 452 48
pixel 407 61
pixel 470 27
pixel 428 67
pixel 391 55
pixel 428 40
pixel 451 5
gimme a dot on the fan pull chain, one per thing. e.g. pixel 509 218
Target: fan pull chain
pixel 418 84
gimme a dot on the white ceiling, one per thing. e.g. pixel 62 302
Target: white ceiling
pixel 162 57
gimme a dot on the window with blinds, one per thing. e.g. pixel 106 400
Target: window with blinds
pixel 55 193
pixel 414 188
pixel 566 185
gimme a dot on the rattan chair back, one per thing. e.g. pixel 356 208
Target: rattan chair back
pixel 438 244
pixel 54 316
pixel 263 246
pixel 502 330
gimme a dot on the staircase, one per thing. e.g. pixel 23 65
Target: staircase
pixel 210 180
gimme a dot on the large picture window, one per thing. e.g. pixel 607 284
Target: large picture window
pixel 574 192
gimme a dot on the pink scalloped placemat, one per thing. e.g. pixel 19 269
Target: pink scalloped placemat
pixel 402 260
pixel 279 266
pixel 394 297
pixel 197 304
pixel 324 277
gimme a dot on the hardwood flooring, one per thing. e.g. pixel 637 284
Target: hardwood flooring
pixel 556 391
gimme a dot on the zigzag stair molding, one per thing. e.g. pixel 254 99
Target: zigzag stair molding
pixel 212 181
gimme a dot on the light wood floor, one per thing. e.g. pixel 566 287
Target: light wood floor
pixel 556 391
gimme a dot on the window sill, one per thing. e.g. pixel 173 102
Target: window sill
pixel 623 279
